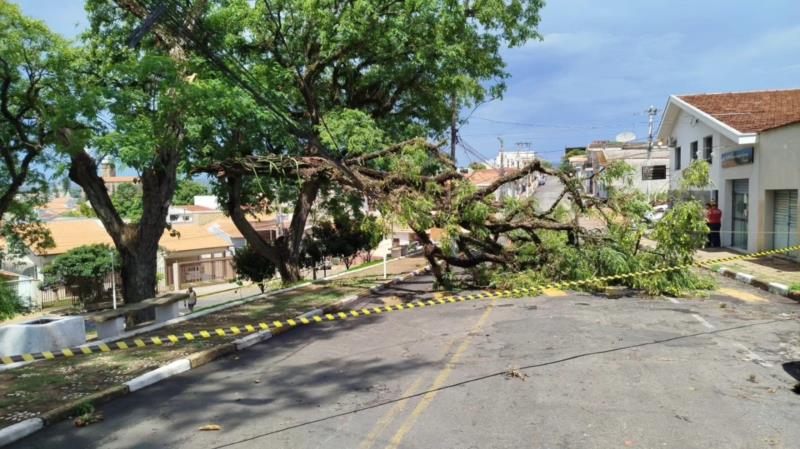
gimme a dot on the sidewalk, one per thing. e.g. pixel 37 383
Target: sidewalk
pixel 773 273
pixel 766 269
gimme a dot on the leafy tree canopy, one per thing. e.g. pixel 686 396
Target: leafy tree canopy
pixel 83 269
pixel 186 191
pixel 39 112
pixel 127 200
pixel 251 266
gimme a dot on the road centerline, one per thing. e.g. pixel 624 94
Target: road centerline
pixel 440 380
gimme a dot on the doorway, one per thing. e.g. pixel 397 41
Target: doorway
pixel 740 211
pixel 784 220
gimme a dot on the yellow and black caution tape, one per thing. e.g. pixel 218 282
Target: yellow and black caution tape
pixel 279 326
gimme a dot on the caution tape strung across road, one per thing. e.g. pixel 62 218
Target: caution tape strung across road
pixel 279 326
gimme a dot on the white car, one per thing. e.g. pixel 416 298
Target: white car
pixel 656 213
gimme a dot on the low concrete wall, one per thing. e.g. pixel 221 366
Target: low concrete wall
pixel 42 334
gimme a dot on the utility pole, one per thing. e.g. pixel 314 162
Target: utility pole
pixel 651 113
pixel 453 128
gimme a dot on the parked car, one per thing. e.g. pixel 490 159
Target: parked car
pixel 656 213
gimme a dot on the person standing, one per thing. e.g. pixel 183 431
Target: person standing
pixel 714 221
pixel 191 301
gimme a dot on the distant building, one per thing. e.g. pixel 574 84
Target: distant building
pixel 110 178
pixel 520 188
pixel 651 168
pixel 752 142
pixel 185 249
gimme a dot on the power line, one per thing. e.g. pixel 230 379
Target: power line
pixel 555 126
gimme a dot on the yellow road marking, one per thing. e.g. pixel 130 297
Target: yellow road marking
pixel 738 294
pixel 399 406
pixel 444 374
pixel 554 292
pixel 387 419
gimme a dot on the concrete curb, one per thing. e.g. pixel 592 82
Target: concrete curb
pixel 22 429
pixel 772 287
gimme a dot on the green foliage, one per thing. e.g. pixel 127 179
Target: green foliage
pixel 351 132
pixel 40 113
pixel 186 191
pixel 127 200
pixel 10 303
pixel 84 210
pixel 347 237
pixel 82 269
pixel 696 176
pixel 678 235
pixel 250 265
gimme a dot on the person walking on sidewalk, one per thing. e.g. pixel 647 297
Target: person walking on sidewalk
pixel 191 301
pixel 714 221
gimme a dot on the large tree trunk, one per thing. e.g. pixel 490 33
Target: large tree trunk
pixel 137 243
pixel 286 252
pixel 138 275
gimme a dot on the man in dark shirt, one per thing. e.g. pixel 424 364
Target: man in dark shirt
pixel 714 221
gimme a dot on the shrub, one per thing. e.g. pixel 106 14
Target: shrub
pixel 82 269
pixel 10 304
pixel 250 265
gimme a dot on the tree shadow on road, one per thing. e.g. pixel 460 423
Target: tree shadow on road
pixel 274 382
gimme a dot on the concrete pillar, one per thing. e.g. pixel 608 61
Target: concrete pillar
pixel 176 278
pixel 166 312
pixel 111 328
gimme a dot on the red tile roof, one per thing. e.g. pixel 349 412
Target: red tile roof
pixel 750 112
pixel 120 179
pixel 195 208
pixel 487 176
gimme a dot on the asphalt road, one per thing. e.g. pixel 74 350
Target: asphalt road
pixel 547 194
pixel 573 371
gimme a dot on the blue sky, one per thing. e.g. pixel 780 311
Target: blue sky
pixel 602 63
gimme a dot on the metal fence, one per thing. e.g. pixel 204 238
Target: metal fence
pixel 68 295
pixel 200 272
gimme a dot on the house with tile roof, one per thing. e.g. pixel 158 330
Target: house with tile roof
pixel 752 142
pixel 520 188
pixel 191 252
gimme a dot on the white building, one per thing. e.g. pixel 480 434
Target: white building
pixel 752 141
pixel 512 159
pixel 651 168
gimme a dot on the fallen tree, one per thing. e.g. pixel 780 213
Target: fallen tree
pixel 508 241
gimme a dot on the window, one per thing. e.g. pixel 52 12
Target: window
pixel 654 172
pixel 693 150
pixel 677 158
pixel 707 144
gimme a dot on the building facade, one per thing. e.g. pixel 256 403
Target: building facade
pixel 651 166
pixel 752 142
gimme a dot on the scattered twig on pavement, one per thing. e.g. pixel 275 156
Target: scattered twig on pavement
pixel 515 373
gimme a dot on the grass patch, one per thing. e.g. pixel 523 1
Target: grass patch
pixel 794 288
pixel 37 381
pixel 366 264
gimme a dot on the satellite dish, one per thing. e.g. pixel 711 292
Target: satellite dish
pixel 625 137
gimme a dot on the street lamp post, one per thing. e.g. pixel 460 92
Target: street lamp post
pixel 113 283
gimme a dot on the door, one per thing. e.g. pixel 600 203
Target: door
pixel 740 202
pixel 784 220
